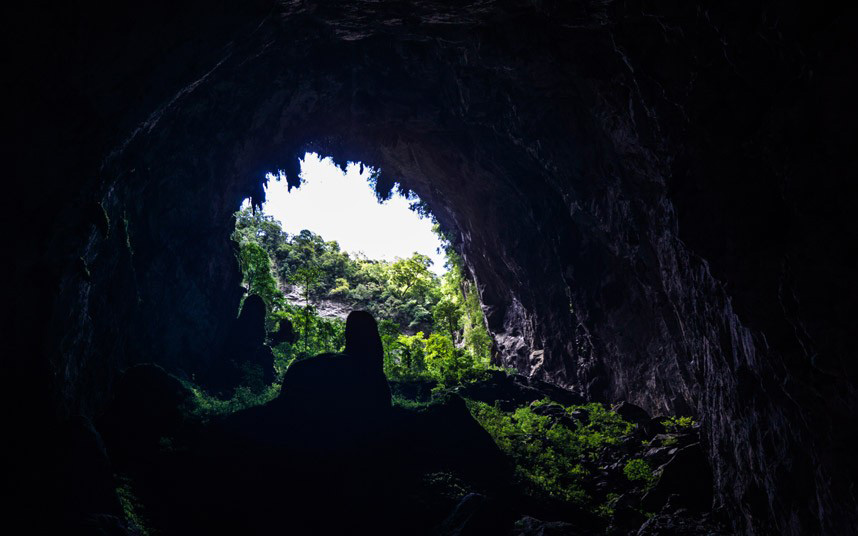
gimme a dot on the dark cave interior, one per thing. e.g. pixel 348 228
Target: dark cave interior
pixel 651 197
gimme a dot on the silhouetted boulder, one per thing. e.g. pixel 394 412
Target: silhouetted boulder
pixel 627 514
pixel 652 427
pixel 632 413
pixel 148 404
pixel 354 378
pixel 285 333
pixel 419 390
pixel 686 476
pixel 475 515
pixel 445 437
pixel 245 358
pixel 325 397
pixel 511 391
pixel 87 491
pixel 556 412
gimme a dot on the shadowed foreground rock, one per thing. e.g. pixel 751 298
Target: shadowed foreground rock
pixel 328 456
pixel 245 358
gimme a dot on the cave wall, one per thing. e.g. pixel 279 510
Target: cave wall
pixel 650 197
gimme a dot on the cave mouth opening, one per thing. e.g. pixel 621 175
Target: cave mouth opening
pixel 312 253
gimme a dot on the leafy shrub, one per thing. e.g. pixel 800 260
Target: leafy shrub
pixel 638 470
pixel 548 455
pixel 606 509
pixel 669 441
pixel 131 508
pixel 678 424
pixel 205 405
pixel 407 403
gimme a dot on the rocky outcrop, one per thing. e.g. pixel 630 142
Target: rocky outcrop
pixel 245 358
pixel 651 199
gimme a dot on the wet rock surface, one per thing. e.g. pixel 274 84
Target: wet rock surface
pixel 653 200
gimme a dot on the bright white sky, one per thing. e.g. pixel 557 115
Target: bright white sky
pixel 343 207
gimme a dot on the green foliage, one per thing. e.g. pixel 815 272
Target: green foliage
pixel 637 469
pixel 678 424
pixel 460 311
pixel 314 335
pixel 547 455
pixel 431 327
pixel 604 427
pixel 411 276
pixel 450 365
pixel 407 403
pixel 406 356
pixel 476 336
pixel 131 508
pixel 550 456
pixel 606 509
pixel 447 315
pixel 206 406
pixel 256 268
pixel 669 441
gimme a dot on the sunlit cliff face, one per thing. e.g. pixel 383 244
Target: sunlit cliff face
pixel 650 200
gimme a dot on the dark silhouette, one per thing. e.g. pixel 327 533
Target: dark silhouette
pixel 336 398
pixel 285 333
pixel 246 358
pixel 330 455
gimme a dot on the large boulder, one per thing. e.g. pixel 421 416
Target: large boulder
pixel 86 490
pixel 245 358
pixel 632 413
pixel 148 404
pixel 285 333
pixel 686 479
pixel 335 398
pixel 475 515
pixel 512 391
pixel 445 437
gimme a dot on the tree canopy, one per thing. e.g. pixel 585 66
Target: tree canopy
pixel 431 327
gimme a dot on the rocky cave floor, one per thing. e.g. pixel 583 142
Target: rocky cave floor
pixel 154 465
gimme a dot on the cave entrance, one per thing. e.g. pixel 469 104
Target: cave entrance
pixel 316 252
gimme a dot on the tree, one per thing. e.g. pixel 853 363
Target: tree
pixel 429 326
pixel 447 315
pixel 476 337
pixel 411 275
pixel 307 276
pixel 256 270
pixel 254 225
pixel 443 360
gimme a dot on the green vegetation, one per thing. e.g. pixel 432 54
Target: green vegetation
pixel 205 405
pixel 551 457
pixel 678 424
pixel 637 469
pixel 131 506
pixel 606 509
pixel 431 327
pixel 669 441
